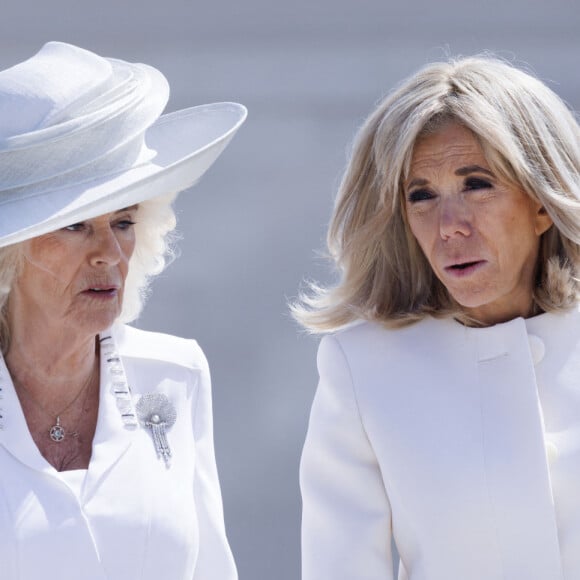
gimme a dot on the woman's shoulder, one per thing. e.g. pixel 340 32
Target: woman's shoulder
pixel 166 348
pixel 372 345
pixel 363 333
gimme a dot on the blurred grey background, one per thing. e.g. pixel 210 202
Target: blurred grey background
pixel 309 71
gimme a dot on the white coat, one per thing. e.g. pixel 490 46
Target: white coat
pixel 135 518
pixel 461 445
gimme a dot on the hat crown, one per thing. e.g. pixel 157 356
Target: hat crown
pixel 68 116
pixel 49 87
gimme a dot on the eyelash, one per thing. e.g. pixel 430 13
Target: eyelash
pixel 477 183
pixel 123 224
pixel 74 227
pixel 126 224
pixel 470 184
pixel 419 195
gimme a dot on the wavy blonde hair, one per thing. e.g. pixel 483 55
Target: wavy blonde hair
pixel 154 225
pixel 528 136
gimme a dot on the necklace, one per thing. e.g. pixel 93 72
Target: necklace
pixel 115 376
pixel 57 432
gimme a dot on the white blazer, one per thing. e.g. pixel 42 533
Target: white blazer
pixel 461 445
pixel 135 519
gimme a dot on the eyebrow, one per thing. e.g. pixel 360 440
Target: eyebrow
pixel 461 172
pixel 415 182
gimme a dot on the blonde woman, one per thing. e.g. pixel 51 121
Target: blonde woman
pixel 447 417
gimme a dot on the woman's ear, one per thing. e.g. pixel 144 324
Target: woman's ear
pixel 543 220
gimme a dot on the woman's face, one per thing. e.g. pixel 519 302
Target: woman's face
pixel 479 233
pixel 74 277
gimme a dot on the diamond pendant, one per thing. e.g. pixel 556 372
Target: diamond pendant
pixel 57 432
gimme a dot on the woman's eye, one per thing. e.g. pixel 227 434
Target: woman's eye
pixel 125 224
pixel 75 227
pixel 419 195
pixel 477 183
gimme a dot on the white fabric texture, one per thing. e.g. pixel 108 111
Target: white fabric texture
pixel 135 518
pixel 461 445
pixel 75 479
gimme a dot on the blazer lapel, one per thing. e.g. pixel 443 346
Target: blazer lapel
pixel 14 434
pixel 114 434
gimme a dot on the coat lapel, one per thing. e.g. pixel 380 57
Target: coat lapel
pixel 14 434
pixel 113 436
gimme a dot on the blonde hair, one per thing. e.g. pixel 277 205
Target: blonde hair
pixel 529 137
pixel 155 222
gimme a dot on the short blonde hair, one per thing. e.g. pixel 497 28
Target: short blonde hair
pixel 155 222
pixel 529 137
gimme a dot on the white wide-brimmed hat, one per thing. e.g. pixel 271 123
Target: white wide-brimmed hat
pixel 82 135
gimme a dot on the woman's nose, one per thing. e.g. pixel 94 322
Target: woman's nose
pixel 454 219
pixel 106 249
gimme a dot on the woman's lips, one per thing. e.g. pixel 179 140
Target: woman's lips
pixel 101 292
pixel 464 268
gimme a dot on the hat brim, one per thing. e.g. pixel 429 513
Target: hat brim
pixel 187 142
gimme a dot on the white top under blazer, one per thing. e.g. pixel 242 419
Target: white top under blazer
pixel 129 517
pixel 461 445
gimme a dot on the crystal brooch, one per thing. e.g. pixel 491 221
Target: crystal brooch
pixel 156 412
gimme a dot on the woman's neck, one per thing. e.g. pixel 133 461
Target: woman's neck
pixel 51 364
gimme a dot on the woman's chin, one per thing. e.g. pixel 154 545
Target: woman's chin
pixel 471 298
pixel 96 323
pixel 478 307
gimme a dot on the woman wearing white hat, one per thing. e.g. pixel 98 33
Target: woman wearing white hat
pixel 107 466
